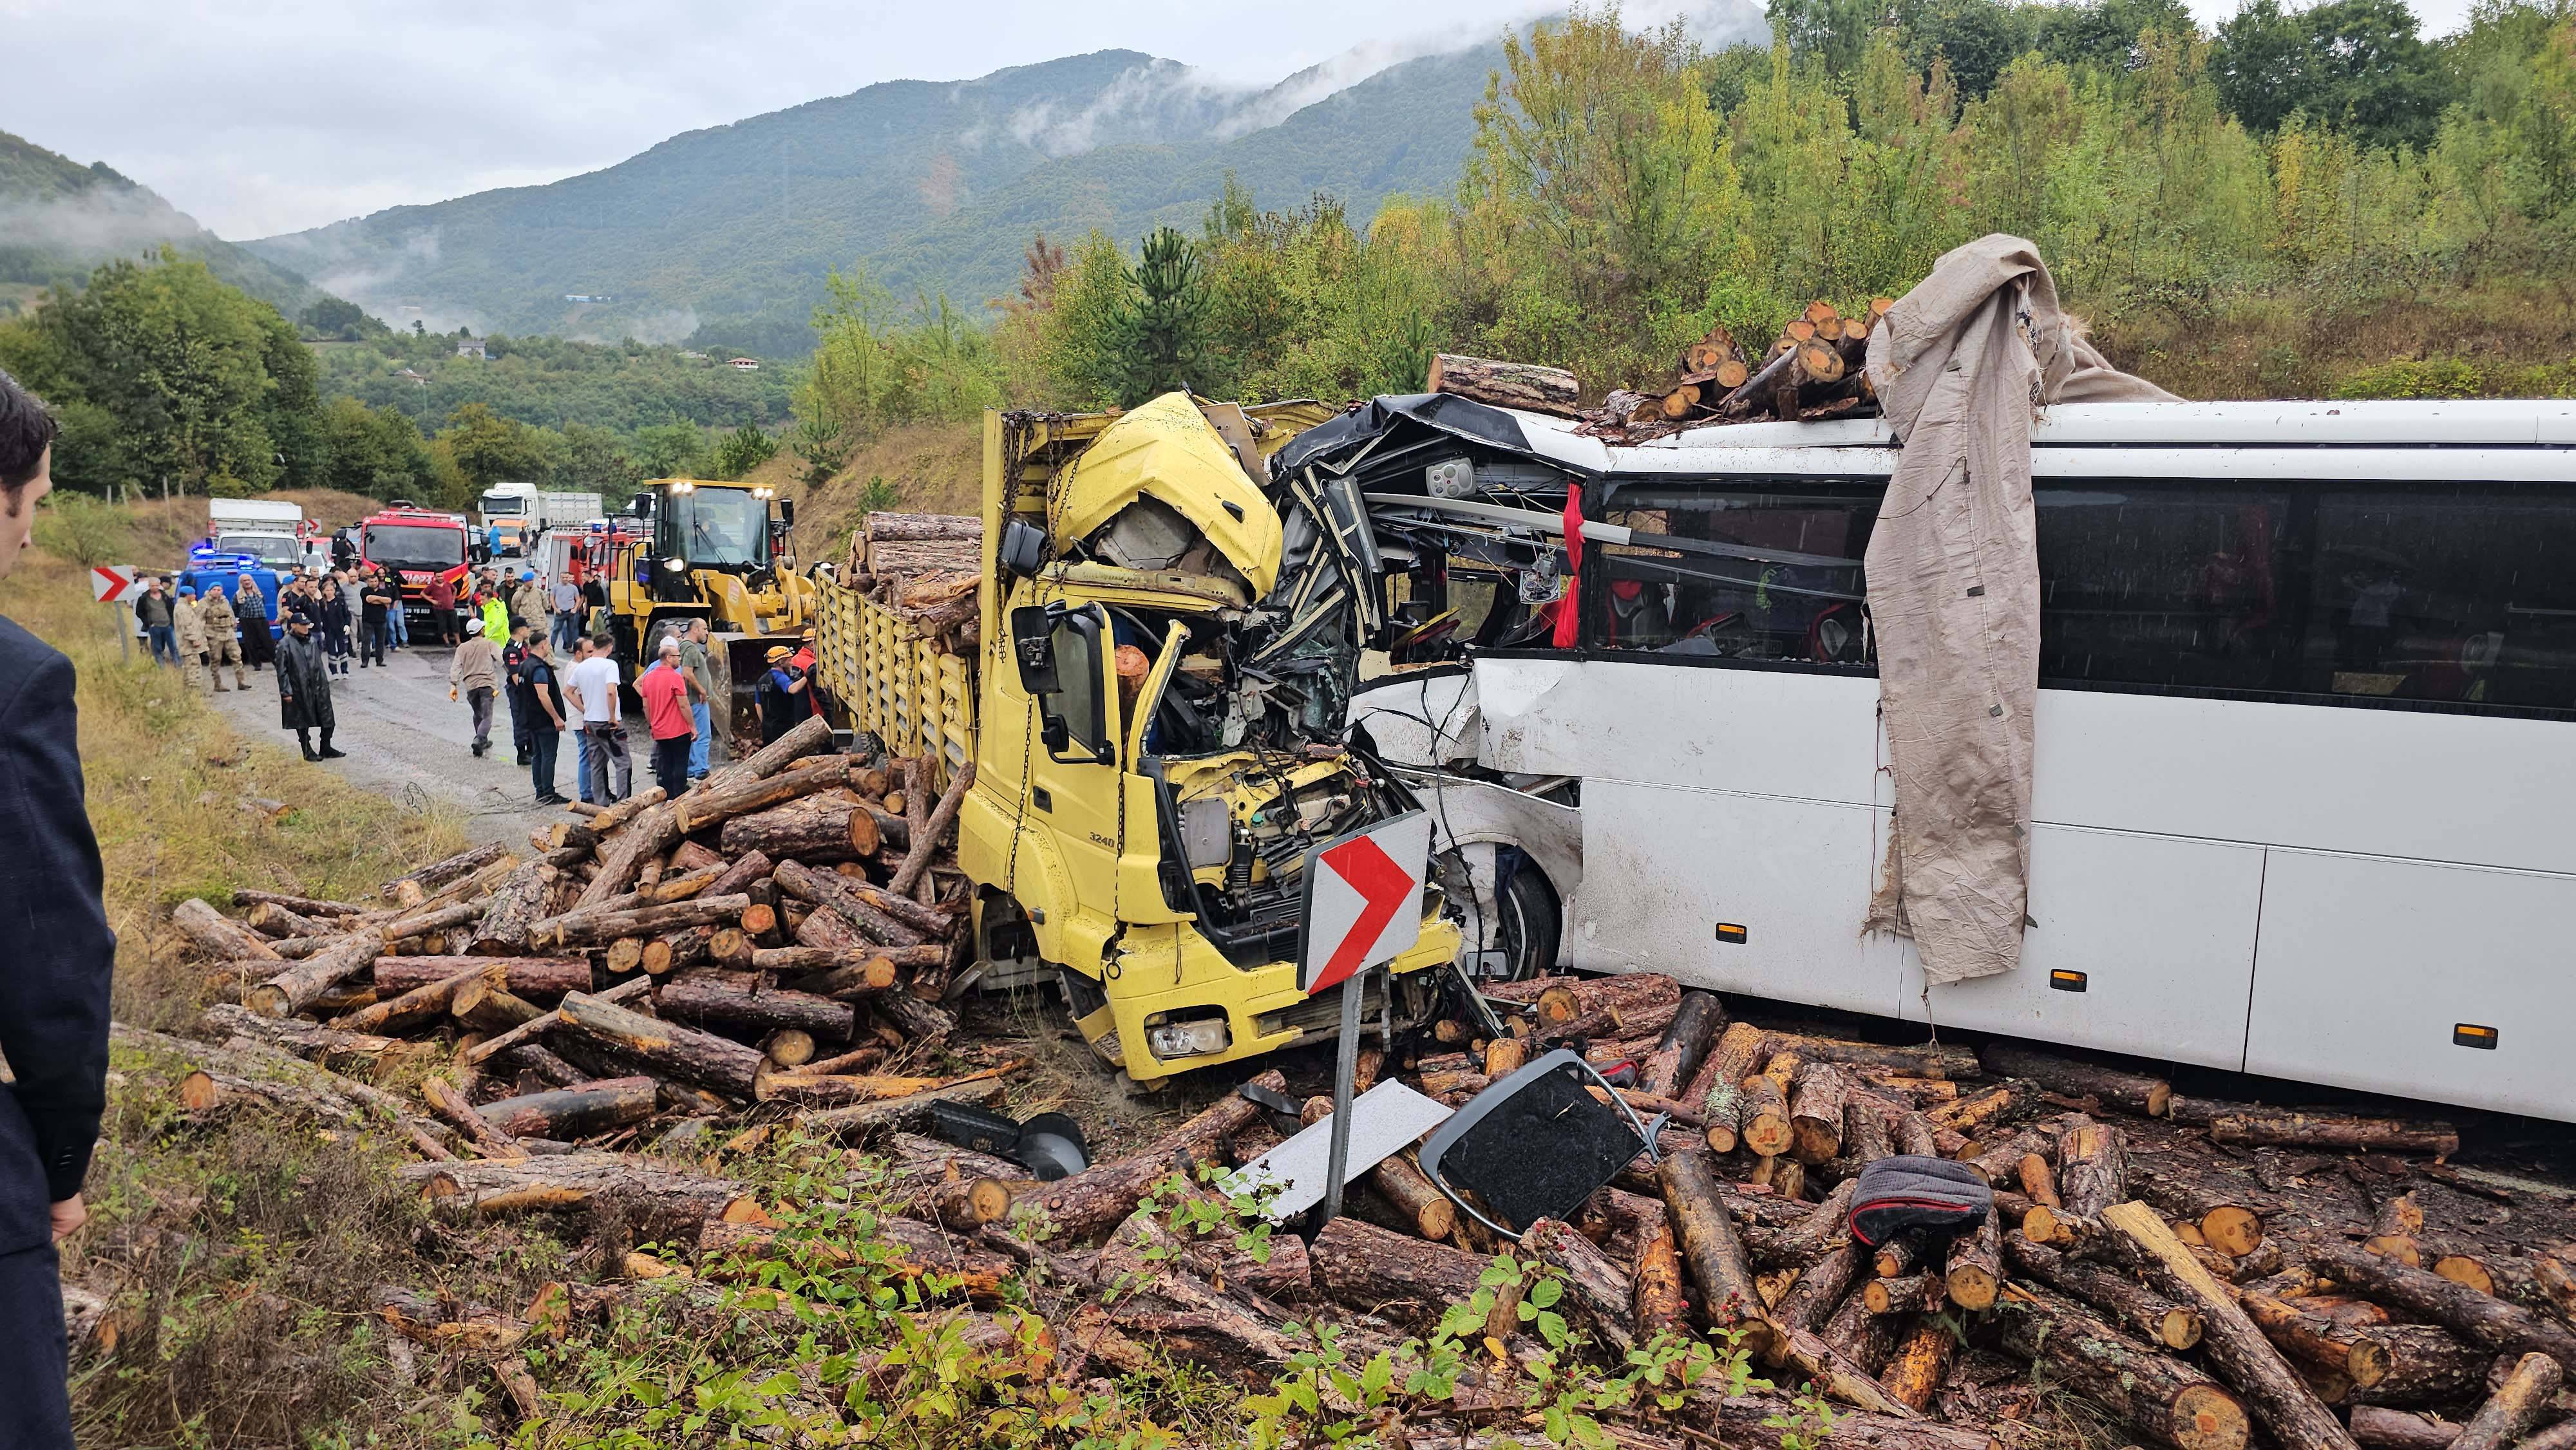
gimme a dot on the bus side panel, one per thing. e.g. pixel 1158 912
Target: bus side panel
pixel 2159 930
pixel 1766 732
pixel 2368 966
pixel 1665 866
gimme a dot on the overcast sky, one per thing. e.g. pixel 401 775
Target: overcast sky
pixel 264 116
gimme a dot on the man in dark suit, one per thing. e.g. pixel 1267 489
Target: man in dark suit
pixel 53 975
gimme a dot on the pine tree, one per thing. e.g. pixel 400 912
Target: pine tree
pixel 1165 320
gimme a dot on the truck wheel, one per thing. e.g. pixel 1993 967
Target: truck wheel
pixel 1532 919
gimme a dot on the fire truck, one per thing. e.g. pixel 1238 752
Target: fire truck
pixel 421 546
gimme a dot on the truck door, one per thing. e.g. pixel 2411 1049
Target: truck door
pixel 1072 790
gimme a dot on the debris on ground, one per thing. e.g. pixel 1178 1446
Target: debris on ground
pixel 772 948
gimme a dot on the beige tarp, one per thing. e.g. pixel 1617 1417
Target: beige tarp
pixel 1961 366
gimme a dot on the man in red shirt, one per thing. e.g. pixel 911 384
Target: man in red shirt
pixel 665 692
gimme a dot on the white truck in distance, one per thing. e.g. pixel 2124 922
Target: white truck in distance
pixel 272 529
pixel 537 508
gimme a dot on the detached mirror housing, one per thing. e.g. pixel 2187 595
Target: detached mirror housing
pixel 787 512
pixel 1022 549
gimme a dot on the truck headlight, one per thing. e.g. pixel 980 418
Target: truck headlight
pixel 676 566
pixel 1197 1037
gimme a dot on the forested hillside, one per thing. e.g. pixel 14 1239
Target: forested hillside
pixel 725 235
pixel 59 219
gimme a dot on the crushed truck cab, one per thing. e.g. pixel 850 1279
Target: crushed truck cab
pixel 1164 647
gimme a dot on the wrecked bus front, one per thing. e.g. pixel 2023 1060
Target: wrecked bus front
pixel 1166 647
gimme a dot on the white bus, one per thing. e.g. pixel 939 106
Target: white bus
pixel 2305 766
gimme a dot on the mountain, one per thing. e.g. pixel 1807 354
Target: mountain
pixel 725 235
pixel 59 220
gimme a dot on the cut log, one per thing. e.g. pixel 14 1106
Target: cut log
pixel 1659 1300
pixel 1730 1063
pixel 613 818
pixel 925 842
pixel 675 1201
pixel 700 809
pixel 1637 1003
pixel 742 999
pixel 1976 1269
pixel 1403 1279
pixel 2427 1364
pixel 2132 1305
pixel 859 1121
pixel 294 989
pixel 1816 1112
pixel 1921 1363
pixel 1821 1289
pixel 302 905
pixel 595 1107
pixel 426 1002
pixel 1818 1229
pixel 596 928
pixel 2492 1323
pixel 1600 1297
pixel 1933 1060
pixel 1089 1204
pixel 451 1105
pixel 2279 1399
pixel 481 1004
pixel 716 1063
pixel 518 903
pixel 2127 1092
pixel 2381 1429
pixel 2092 1167
pixel 218 935
pixel 1839 1377
pixel 1697 1018
pixel 1765 1128
pixel 2360 1135
pixel 2515 1406
pixel 1711 1247
pixel 2317 1342
pixel 818 828
pixel 673 950
pixel 270 919
pixel 339 1049
pixel 623 856
pixel 527 976
pixel 2173 1403
pixel 1425 1208
pixel 411 890
pixel 1915 1137
pixel 1526 386
pixel 856 903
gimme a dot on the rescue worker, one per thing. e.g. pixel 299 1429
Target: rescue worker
pixel 495 624
pixel 258 643
pixel 188 628
pixel 304 687
pixel 223 641
pixel 514 683
pixel 783 701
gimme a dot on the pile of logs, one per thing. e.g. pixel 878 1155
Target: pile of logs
pixel 1814 369
pixel 783 932
pixel 925 567
pixel 2209 1273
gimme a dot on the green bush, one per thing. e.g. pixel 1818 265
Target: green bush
pixel 2437 378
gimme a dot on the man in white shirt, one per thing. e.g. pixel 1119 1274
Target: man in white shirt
pixel 592 687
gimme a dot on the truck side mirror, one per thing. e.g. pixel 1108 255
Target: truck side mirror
pixel 1033 647
pixel 1075 712
pixel 787 512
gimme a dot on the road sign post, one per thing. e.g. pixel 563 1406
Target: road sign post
pixel 113 584
pixel 1363 907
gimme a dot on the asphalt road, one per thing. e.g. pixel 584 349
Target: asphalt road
pixel 408 741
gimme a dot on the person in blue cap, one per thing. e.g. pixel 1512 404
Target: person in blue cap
pixel 528 601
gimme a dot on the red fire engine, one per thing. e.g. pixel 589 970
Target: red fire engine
pixel 420 546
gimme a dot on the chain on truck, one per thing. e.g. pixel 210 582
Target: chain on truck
pixel 1153 695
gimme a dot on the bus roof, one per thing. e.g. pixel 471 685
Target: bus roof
pixel 2479 424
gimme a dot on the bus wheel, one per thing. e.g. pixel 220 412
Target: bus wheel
pixel 1531 919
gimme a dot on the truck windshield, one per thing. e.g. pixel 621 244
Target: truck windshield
pixel 501 505
pixel 267 548
pixel 713 527
pixel 413 546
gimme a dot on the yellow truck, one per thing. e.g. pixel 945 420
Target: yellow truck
pixel 1151 702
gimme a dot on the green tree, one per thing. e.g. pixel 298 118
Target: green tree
pixel 488 448
pixel 375 451
pixel 671 450
pixel 2355 64
pixel 741 451
pixel 1163 326
pixel 595 462
pixel 180 382
pixel 332 317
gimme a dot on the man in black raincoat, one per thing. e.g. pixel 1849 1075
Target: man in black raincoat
pixel 304 686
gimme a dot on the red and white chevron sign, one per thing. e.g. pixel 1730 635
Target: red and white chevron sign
pixel 111 583
pixel 1364 900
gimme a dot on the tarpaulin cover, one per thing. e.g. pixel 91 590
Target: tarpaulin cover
pixel 1460 417
pixel 1961 366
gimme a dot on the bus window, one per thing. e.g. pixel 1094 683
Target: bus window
pixel 2461 594
pixel 1792 593
pixel 2163 584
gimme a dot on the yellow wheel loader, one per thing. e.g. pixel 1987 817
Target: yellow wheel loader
pixel 699 549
